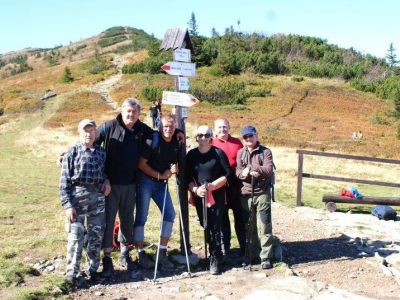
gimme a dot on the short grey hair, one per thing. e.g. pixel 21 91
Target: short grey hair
pixel 223 120
pixel 132 102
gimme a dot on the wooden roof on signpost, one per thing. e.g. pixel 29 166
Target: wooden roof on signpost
pixel 177 38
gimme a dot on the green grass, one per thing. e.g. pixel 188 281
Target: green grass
pixel 31 217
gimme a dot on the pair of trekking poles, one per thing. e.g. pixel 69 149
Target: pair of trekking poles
pixel 249 240
pixel 182 226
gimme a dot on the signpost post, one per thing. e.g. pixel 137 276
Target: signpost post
pixel 178 39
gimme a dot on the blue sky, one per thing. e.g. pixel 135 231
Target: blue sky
pixel 369 26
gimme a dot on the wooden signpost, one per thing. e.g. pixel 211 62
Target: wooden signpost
pixel 178 40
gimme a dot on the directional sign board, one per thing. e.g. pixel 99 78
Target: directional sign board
pixel 181 99
pixel 179 68
pixel 182 55
pixel 183 83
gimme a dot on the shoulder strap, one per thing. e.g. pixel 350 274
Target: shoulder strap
pixel 154 144
pixel 261 156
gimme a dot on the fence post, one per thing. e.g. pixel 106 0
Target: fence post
pixel 299 179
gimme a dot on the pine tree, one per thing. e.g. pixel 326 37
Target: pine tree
pixel 67 77
pixel 193 28
pixel 391 56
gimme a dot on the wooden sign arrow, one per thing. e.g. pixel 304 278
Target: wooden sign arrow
pixel 180 99
pixel 179 68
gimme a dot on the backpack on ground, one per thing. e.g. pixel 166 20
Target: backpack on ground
pixel 384 212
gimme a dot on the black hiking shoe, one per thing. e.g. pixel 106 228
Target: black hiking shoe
pixel 126 262
pixel 96 277
pixel 214 270
pixel 163 259
pixel 144 261
pixel 108 268
pixel 79 280
pixel 266 264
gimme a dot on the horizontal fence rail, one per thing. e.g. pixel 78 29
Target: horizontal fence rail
pixel 300 175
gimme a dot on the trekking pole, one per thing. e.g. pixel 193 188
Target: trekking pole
pixel 161 228
pixel 272 182
pixel 205 226
pixel 249 246
pixel 182 228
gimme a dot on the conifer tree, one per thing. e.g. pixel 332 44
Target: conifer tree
pixel 193 28
pixel 67 76
pixel 391 56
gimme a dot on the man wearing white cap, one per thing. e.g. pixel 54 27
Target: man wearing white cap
pixel 83 187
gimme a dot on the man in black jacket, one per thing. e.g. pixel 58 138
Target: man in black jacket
pixel 122 138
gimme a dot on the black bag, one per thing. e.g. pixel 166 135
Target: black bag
pixel 384 212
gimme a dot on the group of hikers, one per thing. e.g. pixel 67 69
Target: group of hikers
pixel 121 165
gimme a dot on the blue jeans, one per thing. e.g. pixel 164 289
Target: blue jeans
pixel 158 190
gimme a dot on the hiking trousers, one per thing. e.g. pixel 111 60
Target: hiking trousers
pixel 262 237
pixel 89 203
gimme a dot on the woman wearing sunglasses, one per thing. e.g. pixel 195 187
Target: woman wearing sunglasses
pixel 207 169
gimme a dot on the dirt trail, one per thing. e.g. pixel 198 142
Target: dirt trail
pixel 104 87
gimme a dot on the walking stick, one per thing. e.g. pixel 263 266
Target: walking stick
pixel 205 226
pixel 161 228
pixel 180 217
pixel 249 244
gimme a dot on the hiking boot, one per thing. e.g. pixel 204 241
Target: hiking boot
pixel 96 277
pixel 163 259
pixel 108 268
pixel 126 262
pixel 214 270
pixel 144 261
pixel 266 264
pixel 70 277
pixel 221 259
pixel 79 280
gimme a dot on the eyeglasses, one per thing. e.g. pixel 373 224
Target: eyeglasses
pixel 207 135
pixel 247 136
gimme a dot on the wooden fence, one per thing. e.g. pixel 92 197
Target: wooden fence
pixel 301 175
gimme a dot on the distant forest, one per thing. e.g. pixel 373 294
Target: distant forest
pixel 235 52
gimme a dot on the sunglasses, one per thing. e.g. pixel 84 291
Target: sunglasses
pixel 207 135
pixel 248 136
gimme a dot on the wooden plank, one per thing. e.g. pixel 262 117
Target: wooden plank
pixel 344 179
pixel 348 156
pixel 395 201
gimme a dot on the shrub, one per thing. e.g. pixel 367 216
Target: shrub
pixel 297 78
pixel 105 42
pixel 230 92
pixel 67 77
pixel 113 31
pixel 150 65
pixel 1 111
pixel 151 93
pixel 375 119
pixel 229 108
